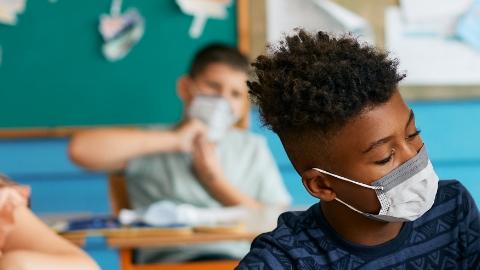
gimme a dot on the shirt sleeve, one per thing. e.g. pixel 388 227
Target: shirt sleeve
pixel 140 164
pixel 272 190
pixel 265 254
pixel 135 166
pixel 471 230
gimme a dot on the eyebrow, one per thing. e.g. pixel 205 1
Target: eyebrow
pixel 386 139
pixel 214 83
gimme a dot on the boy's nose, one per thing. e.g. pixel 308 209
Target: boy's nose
pixel 408 151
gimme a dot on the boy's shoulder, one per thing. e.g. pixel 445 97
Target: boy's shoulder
pixel 453 205
pixel 449 189
pixel 296 221
pixel 242 142
pixel 451 195
pixel 297 241
pixel 303 238
pixel 294 228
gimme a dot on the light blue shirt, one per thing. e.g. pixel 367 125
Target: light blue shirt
pixel 247 163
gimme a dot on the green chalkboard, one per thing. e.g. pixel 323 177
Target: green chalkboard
pixel 53 73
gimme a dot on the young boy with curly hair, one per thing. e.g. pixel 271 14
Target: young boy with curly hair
pixel 335 105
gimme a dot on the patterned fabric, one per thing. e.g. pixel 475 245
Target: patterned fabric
pixel 446 237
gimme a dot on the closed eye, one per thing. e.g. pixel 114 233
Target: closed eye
pixel 413 135
pixel 385 160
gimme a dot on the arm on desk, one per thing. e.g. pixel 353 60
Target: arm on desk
pixel 32 245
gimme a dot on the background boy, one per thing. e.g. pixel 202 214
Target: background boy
pixel 182 164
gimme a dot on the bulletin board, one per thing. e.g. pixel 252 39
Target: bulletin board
pixel 53 73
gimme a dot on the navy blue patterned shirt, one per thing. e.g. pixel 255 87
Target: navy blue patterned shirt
pixel 445 237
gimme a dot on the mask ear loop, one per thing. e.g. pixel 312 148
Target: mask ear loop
pixel 348 180
pixel 351 207
pixel 353 182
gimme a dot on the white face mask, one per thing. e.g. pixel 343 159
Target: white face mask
pixel 405 193
pixel 215 112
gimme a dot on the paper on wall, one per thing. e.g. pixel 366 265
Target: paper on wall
pixel 9 9
pixel 201 10
pixel 350 21
pixel 283 16
pixel 430 59
pixel 468 27
pixel 120 32
pixel 432 17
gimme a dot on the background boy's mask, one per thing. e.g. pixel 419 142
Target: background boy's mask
pixel 215 112
pixel 405 193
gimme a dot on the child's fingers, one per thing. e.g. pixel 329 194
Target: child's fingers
pixel 197 150
pixel 10 200
pixel 9 195
pixel 17 198
pixel 24 191
pixel 201 144
pixel 6 215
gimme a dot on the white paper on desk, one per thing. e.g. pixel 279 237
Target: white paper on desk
pixel 430 60
pixel 437 17
pixel 164 213
pixel 9 9
pixel 201 10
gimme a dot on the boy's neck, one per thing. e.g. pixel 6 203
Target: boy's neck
pixel 357 228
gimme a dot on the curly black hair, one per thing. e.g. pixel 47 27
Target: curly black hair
pixel 319 81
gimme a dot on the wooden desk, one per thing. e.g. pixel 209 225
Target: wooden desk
pixel 255 223
pixel 120 242
pixel 196 238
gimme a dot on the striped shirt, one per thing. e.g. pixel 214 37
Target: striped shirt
pixel 446 237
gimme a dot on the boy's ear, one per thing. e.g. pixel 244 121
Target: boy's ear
pixel 183 88
pixel 318 185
